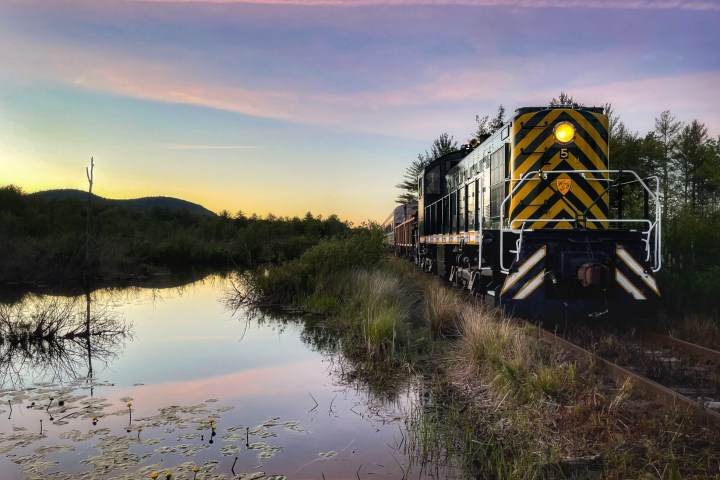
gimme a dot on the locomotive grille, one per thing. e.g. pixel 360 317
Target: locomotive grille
pixel 576 196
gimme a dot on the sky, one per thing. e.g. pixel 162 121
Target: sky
pixel 290 106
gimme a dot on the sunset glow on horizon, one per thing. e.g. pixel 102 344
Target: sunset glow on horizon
pixel 290 106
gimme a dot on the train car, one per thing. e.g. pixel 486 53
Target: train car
pixel 532 219
pixel 401 231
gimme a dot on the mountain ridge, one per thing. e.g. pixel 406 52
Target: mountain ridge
pixel 142 204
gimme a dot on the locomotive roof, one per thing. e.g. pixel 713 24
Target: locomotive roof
pixel 522 110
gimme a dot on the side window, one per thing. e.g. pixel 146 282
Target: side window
pixel 472 205
pixel 462 202
pixel 496 197
pixel 497 181
pixel 432 181
pixel 497 166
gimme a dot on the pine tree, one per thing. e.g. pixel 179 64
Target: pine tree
pixel 692 153
pixel 498 120
pixel 666 133
pixel 565 100
pixel 445 143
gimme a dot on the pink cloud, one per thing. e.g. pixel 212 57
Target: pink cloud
pixel 445 101
pixel 594 4
pixel 638 102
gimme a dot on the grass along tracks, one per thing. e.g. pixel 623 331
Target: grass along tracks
pixel 497 399
pixel 677 381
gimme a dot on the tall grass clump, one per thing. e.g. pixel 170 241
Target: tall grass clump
pixel 369 301
pixel 442 308
pixel 496 349
pixel 385 306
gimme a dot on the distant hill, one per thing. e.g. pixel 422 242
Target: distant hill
pixel 138 204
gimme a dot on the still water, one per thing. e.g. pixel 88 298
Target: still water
pixel 191 383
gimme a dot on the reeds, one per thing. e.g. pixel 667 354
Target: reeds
pixel 501 351
pixel 384 306
pixel 442 308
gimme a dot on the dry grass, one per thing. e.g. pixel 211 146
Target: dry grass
pixel 442 308
pixel 704 331
pixel 500 351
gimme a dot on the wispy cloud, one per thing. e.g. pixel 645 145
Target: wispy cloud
pixel 592 4
pixel 414 110
pixel 179 146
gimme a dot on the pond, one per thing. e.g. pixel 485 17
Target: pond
pixel 173 381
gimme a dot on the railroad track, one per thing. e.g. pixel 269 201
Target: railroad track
pixel 681 346
pixel 670 395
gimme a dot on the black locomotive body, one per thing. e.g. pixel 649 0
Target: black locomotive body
pixel 525 219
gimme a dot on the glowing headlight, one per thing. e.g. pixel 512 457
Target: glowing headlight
pixel 564 132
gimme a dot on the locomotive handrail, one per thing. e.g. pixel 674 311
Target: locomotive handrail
pixel 533 176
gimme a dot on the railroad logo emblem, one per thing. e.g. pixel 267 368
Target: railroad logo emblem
pixel 563 185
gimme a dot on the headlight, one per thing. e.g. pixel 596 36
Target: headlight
pixel 564 132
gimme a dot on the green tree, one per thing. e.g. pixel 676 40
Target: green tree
pixel 487 126
pixel 498 120
pixel 483 127
pixel 409 184
pixel 666 133
pixel 445 143
pixel 692 154
pixel 710 171
pixel 614 122
pixel 565 100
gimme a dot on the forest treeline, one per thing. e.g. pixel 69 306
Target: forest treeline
pixel 46 240
pixel 686 159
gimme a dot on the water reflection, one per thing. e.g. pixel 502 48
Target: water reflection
pixel 57 339
pixel 276 391
pixel 381 383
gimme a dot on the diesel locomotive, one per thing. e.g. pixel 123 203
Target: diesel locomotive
pixel 533 219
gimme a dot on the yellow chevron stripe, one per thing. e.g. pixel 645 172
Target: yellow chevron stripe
pixel 533 133
pixel 530 287
pixel 528 211
pixel 554 211
pixel 517 171
pixel 628 286
pixel 525 267
pixel 588 127
pixel 625 256
pixel 585 200
pixel 595 162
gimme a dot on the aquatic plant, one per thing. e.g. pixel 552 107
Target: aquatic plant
pixel 383 306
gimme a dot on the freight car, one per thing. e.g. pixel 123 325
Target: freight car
pixel 534 220
pixel 401 231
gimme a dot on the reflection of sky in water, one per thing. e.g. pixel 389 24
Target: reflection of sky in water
pixel 189 351
pixel 191 336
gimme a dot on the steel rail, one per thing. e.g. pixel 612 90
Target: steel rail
pixel 681 345
pixel 659 392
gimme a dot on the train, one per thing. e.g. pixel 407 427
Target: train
pixel 533 219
